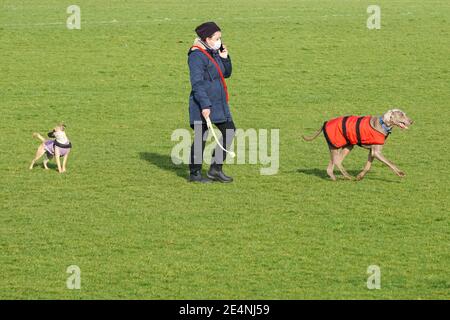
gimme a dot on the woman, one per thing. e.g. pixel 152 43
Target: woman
pixel 209 63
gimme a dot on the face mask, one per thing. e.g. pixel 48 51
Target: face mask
pixel 217 45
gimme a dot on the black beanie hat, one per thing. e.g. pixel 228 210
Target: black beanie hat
pixel 207 29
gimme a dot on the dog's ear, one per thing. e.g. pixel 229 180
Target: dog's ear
pixel 387 117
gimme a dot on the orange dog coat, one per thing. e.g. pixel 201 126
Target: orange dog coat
pixel 351 130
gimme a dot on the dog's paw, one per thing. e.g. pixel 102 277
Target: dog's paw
pixel 401 174
pixel 359 177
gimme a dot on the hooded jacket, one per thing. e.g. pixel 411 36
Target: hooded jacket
pixel 207 89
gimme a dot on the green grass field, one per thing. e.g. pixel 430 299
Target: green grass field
pixel 126 215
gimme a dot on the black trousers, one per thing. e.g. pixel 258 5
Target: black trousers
pixel 227 130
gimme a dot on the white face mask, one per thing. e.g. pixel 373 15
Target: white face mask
pixel 217 45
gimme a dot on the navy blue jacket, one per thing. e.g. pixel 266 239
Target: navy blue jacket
pixel 207 89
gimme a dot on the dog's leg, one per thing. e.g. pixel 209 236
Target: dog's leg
pixel 330 168
pixel 39 153
pixel 65 161
pixel 58 160
pixel 338 158
pixel 376 151
pixel 46 160
pixel 366 167
pixel 345 151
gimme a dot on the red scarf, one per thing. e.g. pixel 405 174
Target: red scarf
pixel 222 78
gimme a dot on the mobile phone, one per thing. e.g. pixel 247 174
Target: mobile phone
pixel 221 48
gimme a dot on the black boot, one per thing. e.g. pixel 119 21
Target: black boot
pixel 197 177
pixel 216 173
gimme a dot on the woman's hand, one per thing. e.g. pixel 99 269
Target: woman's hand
pixel 224 53
pixel 206 113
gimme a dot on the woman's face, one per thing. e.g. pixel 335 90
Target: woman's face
pixel 214 38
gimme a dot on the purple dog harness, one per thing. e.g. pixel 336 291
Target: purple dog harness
pixel 49 146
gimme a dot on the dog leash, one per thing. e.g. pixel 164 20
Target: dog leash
pixel 210 127
pixel 222 78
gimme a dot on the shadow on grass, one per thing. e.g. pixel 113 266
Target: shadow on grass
pixel 322 173
pixel 164 162
pixel 51 166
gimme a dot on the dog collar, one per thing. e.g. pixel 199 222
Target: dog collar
pixel 387 129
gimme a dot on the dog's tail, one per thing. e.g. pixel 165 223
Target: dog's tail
pixel 311 138
pixel 38 136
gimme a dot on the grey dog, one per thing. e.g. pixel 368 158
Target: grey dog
pixel 382 125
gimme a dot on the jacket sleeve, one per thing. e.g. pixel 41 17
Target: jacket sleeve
pixel 199 84
pixel 228 67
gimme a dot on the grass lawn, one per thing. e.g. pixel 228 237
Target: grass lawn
pixel 127 217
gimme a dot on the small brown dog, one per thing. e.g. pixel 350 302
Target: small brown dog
pixel 59 147
pixel 369 132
